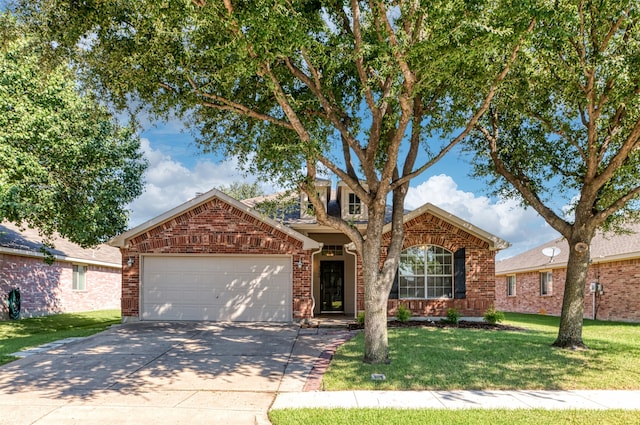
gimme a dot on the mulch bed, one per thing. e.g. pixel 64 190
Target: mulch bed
pixel 462 324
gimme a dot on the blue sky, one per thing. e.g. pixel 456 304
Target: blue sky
pixel 177 171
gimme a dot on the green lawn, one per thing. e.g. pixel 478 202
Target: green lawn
pixel 448 359
pixel 452 417
pixel 28 333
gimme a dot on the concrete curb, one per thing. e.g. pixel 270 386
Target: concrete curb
pixel 550 400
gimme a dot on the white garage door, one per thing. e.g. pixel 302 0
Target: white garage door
pixel 217 288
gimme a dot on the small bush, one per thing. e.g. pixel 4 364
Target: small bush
pixel 403 314
pixel 360 318
pixel 493 316
pixel 453 316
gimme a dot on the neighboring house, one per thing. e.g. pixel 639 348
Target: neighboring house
pixel 78 280
pixel 216 258
pixel 534 283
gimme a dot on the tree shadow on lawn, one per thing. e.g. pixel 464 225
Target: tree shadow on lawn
pixel 148 357
pixel 453 359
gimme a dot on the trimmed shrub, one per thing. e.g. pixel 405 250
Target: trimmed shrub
pixel 493 316
pixel 453 316
pixel 403 314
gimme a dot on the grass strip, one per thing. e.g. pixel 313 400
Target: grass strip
pixel 452 417
pixel 28 333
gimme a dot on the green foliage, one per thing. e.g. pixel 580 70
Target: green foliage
pixel 279 206
pixel 242 190
pixel 453 316
pixel 553 142
pixel 493 316
pixel 280 83
pixel 403 314
pixel 65 166
pixel 360 318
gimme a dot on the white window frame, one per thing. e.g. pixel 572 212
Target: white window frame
pixel 511 285
pixel 436 265
pixel 79 277
pixel 546 283
pixel 354 204
pixel 307 210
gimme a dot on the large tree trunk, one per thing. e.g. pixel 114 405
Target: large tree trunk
pixel 376 342
pixel 570 332
pixel 376 293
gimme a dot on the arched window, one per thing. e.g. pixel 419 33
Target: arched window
pixel 426 272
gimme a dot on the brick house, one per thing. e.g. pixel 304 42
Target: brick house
pixel 216 258
pixel 534 283
pixel 78 280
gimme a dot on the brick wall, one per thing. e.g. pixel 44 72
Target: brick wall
pixel 427 229
pixel 620 300
pixel 47 289
pixel 216 227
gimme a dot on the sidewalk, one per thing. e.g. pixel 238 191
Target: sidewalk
pixel 583 399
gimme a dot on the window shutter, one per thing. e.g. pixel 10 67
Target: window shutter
pixel 393 295
pixel 460 274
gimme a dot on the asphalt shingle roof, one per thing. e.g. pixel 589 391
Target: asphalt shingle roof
pixel 15 240
pixel 604 247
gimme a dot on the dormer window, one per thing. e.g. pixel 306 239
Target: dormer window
pixel 323 188
pixel 351 206
pixel 355 205
pixel 310 209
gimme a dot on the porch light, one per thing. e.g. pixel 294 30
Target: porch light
pixel 130 261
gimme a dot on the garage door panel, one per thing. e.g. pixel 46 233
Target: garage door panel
pixel 217 288
pixel 243 313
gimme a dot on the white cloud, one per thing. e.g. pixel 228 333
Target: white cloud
pixel 169 183
pixel 522 227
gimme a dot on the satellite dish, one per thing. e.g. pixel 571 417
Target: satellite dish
pixel 551 252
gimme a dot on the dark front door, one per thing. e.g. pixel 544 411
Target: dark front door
pixel 331 286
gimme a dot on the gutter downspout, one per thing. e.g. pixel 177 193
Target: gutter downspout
pixel 313 278
pixel 355 280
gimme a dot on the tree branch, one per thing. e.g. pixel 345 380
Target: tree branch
pixel 359 56
pixel 631 143
pixel 520 183
pixel 336 118
pixel 601 216
pixel 560 133
pixel 228 105
pixel 474 119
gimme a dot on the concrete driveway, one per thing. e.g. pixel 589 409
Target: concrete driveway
pixel 148 372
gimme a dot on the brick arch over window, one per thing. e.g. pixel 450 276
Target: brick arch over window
pixel 427 229
pixel 412 240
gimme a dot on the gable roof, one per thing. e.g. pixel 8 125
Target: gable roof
pixel 293 219
pixel 605 247
pixel 28 242
pixel 495 243
pixel 123 239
